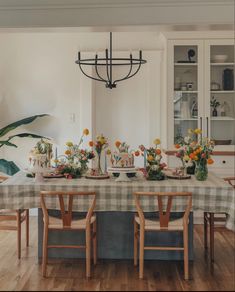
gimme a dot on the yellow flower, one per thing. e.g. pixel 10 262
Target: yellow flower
pixel 150 158
pixel 190 131
pixel 186 158
pixel 197 131
pixel 67 152
pixel 86 132
pixel 157 141
pixel 102 141
pixel 108 152
pixel 195 157
pixel 69 144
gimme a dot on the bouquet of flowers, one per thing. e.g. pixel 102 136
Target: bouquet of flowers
pixel 100 144
pixel 196 151
pixel 75 160
pixel 154 166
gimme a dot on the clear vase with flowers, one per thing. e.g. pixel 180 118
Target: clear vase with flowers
pixel 154 167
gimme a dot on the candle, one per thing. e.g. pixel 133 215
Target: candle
pixel 145 159
pixel 105 163
pixel 56 157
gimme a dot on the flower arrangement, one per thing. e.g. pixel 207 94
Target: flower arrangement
pixel 75 160
pixel 154 166
pixel 100 144
pixel 197 151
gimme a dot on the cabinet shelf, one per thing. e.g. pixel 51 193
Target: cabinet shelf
pixel 222 91
pixel 186 91
pixel 182 119
pixel 222 64
pixel 222 119
pixel 186 64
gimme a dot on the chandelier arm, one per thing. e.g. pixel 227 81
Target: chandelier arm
pixel 137 70
pixel 97 72
pixel 91 77
pixel 107 65
pixel 126 77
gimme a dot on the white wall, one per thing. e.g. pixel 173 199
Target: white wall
pixel 131 112
pixel 38 75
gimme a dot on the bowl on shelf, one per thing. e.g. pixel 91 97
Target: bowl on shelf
pixel 219 58
pixel 223 142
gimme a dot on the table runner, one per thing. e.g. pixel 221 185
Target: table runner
pixel 212 195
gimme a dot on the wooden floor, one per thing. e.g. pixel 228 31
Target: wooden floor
pixel 117 275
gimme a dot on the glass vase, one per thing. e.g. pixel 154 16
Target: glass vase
pixel 154 173
pixel 99 169
pixel 201 171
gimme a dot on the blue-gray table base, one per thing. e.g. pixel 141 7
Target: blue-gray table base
pixel 115 239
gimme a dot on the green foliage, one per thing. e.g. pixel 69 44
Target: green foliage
pixel 9 167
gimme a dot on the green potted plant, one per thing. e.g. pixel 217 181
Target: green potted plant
pixel 9 167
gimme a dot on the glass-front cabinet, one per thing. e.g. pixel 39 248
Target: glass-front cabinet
pixel 219 92
pixel 201 90
pixel 185 86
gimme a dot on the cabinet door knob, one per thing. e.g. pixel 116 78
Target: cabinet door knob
pixel 224 161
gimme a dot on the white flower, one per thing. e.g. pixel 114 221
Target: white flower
pixel 187 139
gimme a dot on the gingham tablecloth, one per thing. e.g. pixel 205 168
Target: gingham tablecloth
pixel 212 195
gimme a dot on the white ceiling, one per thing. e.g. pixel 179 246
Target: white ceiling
pixel 173 14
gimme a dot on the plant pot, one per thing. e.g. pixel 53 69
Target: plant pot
pixel 214 112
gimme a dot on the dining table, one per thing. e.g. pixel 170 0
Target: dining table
pixel 115 204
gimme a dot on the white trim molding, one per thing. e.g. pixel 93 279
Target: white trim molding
pixel 75 13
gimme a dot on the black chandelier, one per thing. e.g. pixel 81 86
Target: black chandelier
pixel 109 62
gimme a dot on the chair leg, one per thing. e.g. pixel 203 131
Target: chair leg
pixel 205 231
pixel 45 251
pixel 186 263
pixel 212 233
pixel 27 228
pixel 135 244
pixel 141 254
pixel 18 234
pixel 95 242
pixel 88 252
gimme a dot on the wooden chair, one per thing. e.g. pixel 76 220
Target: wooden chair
pixel 87 224
pixel 142 225
pixel 211 218
pixel 17 216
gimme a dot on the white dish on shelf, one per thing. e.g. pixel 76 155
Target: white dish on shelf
pixel 219 58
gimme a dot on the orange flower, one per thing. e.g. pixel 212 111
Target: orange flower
pixel 158 151
pixel 137 153
pixel 86 132
pixel 67 152
pixel 91 143
pixel 192 155
pixel 117 144
pixel 210 161
pixel 177 146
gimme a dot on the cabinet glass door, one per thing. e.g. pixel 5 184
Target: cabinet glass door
pixel 185 99
pixel 222 95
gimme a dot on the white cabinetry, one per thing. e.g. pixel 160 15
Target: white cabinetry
pixel 200 75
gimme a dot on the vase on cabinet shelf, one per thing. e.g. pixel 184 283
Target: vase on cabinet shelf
pixel 201 170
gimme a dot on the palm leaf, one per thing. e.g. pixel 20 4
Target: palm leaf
pixel 19 123
pixel 7 143
pixel 27 135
